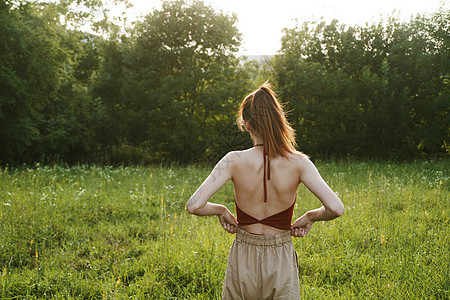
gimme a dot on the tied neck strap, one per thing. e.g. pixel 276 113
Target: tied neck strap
pixel 268 170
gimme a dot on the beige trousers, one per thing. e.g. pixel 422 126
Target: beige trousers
pixel 261 267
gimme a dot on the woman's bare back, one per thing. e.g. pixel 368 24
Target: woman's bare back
pixel 247 173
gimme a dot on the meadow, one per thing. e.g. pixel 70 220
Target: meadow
pixel 91 232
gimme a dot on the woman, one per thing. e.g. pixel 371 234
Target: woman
pixel 262 263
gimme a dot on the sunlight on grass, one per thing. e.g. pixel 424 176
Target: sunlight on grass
pixel 96 233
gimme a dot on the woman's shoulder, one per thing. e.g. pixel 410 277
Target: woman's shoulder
pixel 241 157
pixel 298 156
pixel 246 154
pixel 237 157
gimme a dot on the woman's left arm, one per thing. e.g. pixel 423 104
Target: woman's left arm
pixel 198 203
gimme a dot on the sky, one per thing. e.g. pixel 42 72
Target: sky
pixel 261 21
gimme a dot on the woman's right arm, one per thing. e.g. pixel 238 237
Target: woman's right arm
pixel 198 203
pixel 332 205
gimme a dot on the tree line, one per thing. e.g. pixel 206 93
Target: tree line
pixel 377 90
pixel 167 89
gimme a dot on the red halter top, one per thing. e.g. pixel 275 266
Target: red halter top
pixel 281 220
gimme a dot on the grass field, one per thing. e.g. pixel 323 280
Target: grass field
pixel 123 233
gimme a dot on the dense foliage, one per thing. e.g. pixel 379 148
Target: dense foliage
pixel 173 83
pixel 378 90
pixel 159 92
pixel 168 88
pixel 46 108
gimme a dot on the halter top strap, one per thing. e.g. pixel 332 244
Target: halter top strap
pixel 268 170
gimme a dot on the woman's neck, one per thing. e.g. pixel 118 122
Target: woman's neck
pixel 256 139
pixel 258 142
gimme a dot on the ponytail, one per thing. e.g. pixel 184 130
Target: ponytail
pixel 262 110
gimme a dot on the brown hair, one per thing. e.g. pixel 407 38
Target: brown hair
pixel 262 110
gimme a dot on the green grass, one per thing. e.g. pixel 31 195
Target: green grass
pixel 116 233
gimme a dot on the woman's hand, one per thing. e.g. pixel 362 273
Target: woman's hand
pixel 301 226
pixel 228 221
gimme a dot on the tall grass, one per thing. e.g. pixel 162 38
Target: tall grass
pixel 115 233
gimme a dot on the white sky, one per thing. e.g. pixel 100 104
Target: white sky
pixel 261 21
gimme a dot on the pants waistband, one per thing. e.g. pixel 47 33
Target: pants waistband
pixel 263 240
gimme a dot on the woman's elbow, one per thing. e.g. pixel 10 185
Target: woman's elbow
pixel 190 207
pixel 339 210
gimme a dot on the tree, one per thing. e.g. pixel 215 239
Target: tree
pixel 45 107
pixel 377 90
pixel 175 81
pixel 29 61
